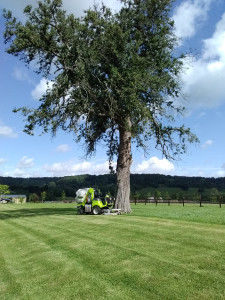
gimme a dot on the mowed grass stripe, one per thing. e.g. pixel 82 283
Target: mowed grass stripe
pixel 196 239
pixel 114 257
pixel 208 213
pixel 50 262
pixel 123 248
pixel 89 238
pixel 8 282
pixel 35 236
pixel 212 236
pixel 86 259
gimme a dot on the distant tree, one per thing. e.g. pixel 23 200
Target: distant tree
pixel 43 196
pixel 149 194
pixel 63 196
pixel 166 196
pixel 214 195
pixel 33 197
pixel 50 196
pixel 137 195
pixel 196 197
pixel 51 185
pixel 4 189
pixel 180 196
pixel 175 196
pixel 51 188
pixel 201 190
pixel 114 77
pixel 157 195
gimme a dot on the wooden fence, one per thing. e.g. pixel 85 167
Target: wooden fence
pixel 219 200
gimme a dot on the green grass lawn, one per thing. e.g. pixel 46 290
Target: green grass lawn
pixel 157 252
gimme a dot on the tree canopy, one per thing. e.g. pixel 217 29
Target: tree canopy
pixel 112 77
pixel 4 189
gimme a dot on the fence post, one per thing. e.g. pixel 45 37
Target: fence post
pixel 183 201
pixel 200 200
pixel 135 201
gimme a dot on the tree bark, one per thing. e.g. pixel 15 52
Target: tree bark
pixel 124 162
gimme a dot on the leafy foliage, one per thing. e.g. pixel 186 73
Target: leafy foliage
pixel 104 68
pixel 4 189
pixel 33 197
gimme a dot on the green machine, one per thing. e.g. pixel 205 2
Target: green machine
pixel 91 202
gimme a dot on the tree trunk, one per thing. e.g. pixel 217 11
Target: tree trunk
pixel 124 162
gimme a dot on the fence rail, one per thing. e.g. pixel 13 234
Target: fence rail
pixel 219 201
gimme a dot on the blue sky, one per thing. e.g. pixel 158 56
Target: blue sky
pixel 201 26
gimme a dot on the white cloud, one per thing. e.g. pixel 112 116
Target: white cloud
pixel 220 173
pixel 22 75
pixel 214 47
pixel 62 148
pixel 102 168
pixel 208 143
pixel 72 7
pixel 189 15
pixel 7 132
pixel 73 168
pixel 17 173
pixel 154 165
pixel 41 89
pixel 204 80
pixel 25 162
pixel 77 7
pixel 202 171
pixel 2 161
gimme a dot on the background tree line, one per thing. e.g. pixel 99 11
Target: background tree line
pixel 143 185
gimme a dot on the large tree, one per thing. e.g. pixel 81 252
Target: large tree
pixel 114 77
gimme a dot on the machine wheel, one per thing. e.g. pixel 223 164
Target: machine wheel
pixel 97 210
pixel 80 210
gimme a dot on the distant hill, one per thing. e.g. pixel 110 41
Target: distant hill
pixel 54 186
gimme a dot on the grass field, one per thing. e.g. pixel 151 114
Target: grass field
pixel 164 252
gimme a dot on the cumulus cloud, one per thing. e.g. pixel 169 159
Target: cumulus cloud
pixel 154 165
pixel 73 168
pixel 17 172
pixel 214 47
pixel 62 148
pixel 25 162
pixel 203 171
pixel 7 132
pixel 189 15
pixel 208 143
pixel 204 79
pixel 41 89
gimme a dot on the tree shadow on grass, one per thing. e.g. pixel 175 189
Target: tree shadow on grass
pixel 37 212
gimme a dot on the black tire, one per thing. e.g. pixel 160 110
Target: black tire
pixel 80 210
pixel 96 210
